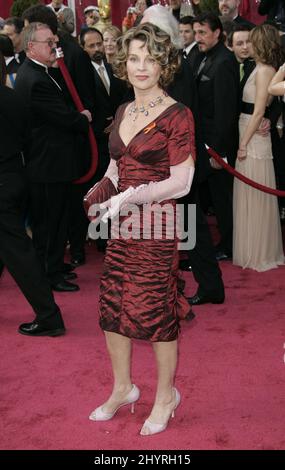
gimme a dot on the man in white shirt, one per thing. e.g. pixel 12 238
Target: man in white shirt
pixel 51 154
pixel 65 16
pixel 13 29
pixel 190 48
pixel 92 43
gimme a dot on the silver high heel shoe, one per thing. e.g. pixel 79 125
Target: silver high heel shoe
pixel 155 428
pixel 100 415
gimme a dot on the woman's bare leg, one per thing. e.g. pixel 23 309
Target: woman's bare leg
pixel 119 348
pixel 166 359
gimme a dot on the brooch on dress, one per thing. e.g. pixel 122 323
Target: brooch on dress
pixel 149 128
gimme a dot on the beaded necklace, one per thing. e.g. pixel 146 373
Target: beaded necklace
pixel 144 109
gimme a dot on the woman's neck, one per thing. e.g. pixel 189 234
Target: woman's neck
pixel 109 58
pixel 143 97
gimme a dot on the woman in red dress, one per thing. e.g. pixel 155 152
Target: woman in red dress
pixel 152 150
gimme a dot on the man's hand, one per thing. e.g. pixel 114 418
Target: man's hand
pixel 87 114
pixel 264 127
pixel 60 17
pixel 215 164
pixel 108 128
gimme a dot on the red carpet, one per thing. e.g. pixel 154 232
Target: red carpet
pixel 231 372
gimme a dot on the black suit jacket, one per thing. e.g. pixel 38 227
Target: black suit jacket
pixel 184 89
pixel 80 69
pixel 14 127
pixel 79 66
pixel 192 56
pixel 106 105
pixel 52 151
pixel 218 92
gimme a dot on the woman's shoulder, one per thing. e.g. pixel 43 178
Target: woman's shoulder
pixel 262 69
pixel 121 110
pixel 178 117
pixel 180 110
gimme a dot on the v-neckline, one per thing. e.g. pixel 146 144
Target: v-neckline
pixel 144 127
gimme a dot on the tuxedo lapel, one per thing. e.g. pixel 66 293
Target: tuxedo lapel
pixel 99 83
pixel 204 70
pixel 111 77
pixel 207 66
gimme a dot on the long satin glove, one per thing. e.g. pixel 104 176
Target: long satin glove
pixel 102 191
pixel 112 172
pixel 176 186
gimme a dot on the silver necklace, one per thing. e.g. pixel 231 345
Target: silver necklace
pixel 144 109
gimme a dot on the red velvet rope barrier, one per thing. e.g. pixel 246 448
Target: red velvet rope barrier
pixel 241 177
pixel 80 107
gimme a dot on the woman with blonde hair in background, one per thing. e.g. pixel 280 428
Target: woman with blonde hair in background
pixel 257 238
pixel 111 35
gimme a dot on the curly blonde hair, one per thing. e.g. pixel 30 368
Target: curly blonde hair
pixel 116 32
pixel 159 46
pixel 266 45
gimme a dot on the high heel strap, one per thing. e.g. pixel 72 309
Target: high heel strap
pixel 155 428
pixel 100 415
pixel 177 400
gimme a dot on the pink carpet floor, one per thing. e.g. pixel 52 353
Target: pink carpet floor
pixel 231 372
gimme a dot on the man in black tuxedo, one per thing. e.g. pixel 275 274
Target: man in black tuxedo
pixel 7 49
pixel 13 28
pixel 75 59
pixel 16 249
pixel 81 71
pixel 190 48
pixel 240 44
pixel 217 79
pixel 201 260
pixel 51 154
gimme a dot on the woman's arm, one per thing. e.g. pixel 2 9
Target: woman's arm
pixel 277 84
pixel 112 172
pixel 262 80
pixel 177 185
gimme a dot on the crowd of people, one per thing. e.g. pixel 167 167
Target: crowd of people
pixel 174 82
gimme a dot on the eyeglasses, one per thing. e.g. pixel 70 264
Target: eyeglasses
pixel 49 42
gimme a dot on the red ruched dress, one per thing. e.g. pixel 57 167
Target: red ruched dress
pixel 140 293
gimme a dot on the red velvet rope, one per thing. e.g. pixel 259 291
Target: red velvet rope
pixel 241 177
pixel 80 107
